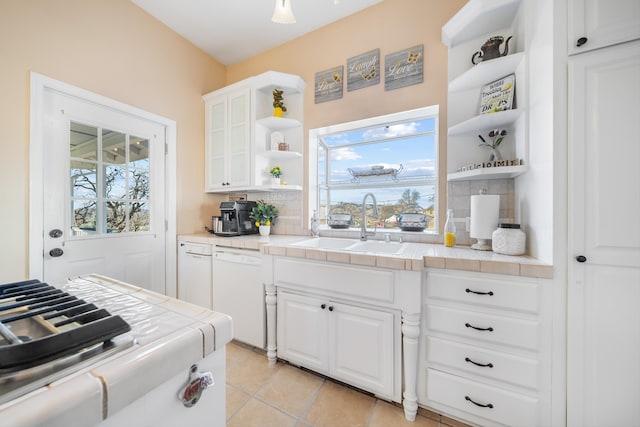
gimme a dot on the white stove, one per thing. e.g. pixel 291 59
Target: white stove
pixel 96 351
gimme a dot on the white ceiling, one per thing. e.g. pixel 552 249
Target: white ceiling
pixel 234 30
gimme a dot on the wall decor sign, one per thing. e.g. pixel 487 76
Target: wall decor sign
pixel 328 84
pixel 498 95
pixel 363 70
pixel 404 68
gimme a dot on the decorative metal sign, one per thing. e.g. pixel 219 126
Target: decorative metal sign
pixel 363 70
pixel 328 84
pixel 497 96
pixel 404 68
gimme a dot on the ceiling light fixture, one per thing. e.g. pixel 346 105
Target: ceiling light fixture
pixel 283 13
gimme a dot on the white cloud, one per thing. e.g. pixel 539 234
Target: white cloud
pixel 344 154
pixel 391 131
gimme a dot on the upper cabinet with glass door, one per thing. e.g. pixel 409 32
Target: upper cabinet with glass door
pixel 486 63
pixel 227 147
pixel 245 139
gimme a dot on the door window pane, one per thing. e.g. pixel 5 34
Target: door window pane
pixel 84 179
pixel 84 217
pixel 116 215
pixel 83 141
pixel 109 170
pixel 138 152
pixel 115 182
pixel 139 216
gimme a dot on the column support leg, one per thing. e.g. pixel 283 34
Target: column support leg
pixel 410 340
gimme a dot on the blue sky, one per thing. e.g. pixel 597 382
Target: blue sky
pixel 410 144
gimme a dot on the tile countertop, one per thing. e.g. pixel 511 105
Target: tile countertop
pixel 413 256
pixel 170 336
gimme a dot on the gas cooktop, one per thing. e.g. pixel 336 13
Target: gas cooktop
pixel 47 333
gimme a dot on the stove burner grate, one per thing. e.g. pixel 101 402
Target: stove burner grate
pixel 70 324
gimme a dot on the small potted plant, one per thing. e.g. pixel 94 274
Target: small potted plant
pixel 278 103
pixel 276 173
pixel 263 216
pixel 497 136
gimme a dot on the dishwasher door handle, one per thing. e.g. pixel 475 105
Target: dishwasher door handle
pixel 197 254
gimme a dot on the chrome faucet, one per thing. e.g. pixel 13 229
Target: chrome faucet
pixel 363 226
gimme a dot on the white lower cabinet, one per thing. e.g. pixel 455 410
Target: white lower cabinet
pixel 350 343
pixel 357 324
pixel 485 348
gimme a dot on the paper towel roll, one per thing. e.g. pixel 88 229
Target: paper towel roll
pixel 485 210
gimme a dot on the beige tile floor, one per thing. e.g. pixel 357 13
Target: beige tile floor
pixel 285 396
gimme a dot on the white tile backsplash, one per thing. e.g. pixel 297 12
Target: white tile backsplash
pixel 459 199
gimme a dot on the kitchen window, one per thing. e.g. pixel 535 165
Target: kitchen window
pixel 393 156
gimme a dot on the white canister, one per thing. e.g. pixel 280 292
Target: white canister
pixel 508 239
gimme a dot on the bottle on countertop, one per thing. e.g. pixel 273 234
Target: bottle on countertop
pixel 450 230
pixel 315 225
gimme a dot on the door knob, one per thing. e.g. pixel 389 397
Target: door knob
pixel 581 41
pixel 581 258
pixel 56 252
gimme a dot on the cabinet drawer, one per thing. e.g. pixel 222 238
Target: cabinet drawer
pixel 501 406
pixel 484 327
pixel 480 361
pixel 512 294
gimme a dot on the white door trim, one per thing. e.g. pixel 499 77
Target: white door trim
pixel 39 84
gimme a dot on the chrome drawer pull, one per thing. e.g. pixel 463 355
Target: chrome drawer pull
pixel 469 291
pixel 488 365
pixel 469 325
pixel 488 405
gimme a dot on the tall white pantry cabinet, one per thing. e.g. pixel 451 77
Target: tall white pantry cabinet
pixel 603 322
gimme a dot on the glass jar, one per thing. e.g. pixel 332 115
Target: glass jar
pixel 508 239
pixel 450 230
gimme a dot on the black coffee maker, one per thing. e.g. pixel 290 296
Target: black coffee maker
pixel 235 218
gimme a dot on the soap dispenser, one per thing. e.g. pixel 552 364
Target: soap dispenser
pixel 315 225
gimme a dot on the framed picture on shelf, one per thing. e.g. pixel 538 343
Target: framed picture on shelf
pixel 498 95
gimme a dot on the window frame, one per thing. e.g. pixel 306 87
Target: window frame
pixel 316 134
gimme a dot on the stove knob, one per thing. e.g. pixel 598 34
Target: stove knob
pixel 56 252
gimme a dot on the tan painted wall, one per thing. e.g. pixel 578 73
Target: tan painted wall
pixel 391 25
pixel 115 49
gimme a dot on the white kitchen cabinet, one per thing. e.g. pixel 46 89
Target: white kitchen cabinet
pixel 358 324
pixel 603 321
pixel 485 348
pixel 347 342
pixel 227 149
pixel 469 29
pixel 594 24
pixel 239 129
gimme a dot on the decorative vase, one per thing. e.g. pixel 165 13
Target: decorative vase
pixel 494 154
pixel 275 181
pixel 277 111
pixel 264 230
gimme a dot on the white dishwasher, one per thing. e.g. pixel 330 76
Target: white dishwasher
pixel 239 292
pixel 194 273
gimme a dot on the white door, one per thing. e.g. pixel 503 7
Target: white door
pixel 103 207
pixel 302 330
pixel 603 361
pixel 361 351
